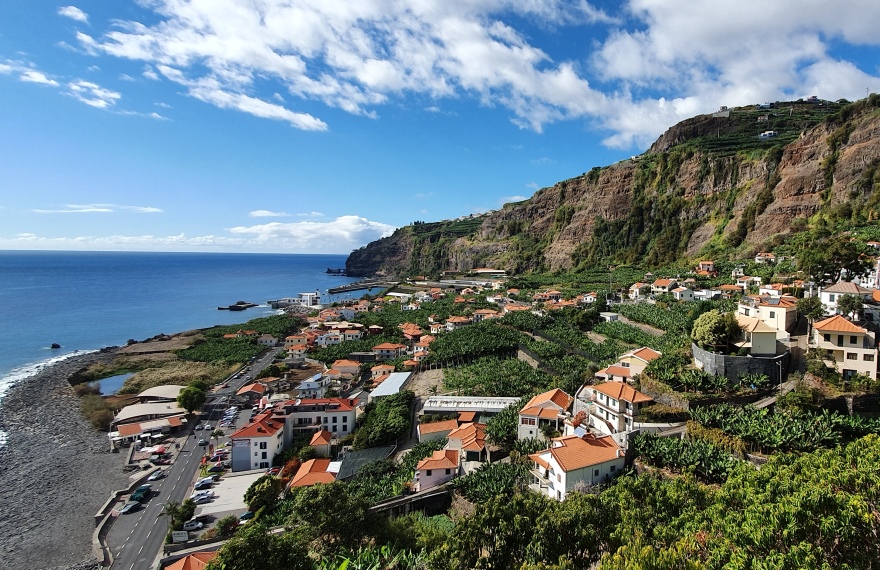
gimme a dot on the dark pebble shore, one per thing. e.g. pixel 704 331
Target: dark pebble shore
pixel 55 472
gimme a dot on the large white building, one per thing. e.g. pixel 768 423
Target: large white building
pixel 308 415
pixel 256 444
pixel 616 406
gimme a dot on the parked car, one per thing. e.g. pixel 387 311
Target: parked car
pixel 200 426
pixel 246 516
pixel 129 507
pixel 203 442
pixel 192 525
pixel 203 485
pixel 198 494
pixel 156 475
pixel 273 471
pixel 219 468
pixel 208 427
pixel 202 499
pixel 162 461
pixel 142 493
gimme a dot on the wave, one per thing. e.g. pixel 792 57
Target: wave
pixel 24 372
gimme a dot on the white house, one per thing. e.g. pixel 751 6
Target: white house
pixel 683 294
pixel 256 444
pixel 544 409
pixel 777 312
pixel 635 290
pixel 308 415
pixel 267 340
pixel 389 350
pixel 314 387
pixel 439 468
pixel 830 295
pixel 617 406
pixel 661 286
pixel 853 348
pixel 572 460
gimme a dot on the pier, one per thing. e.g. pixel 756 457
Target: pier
pixel 366 284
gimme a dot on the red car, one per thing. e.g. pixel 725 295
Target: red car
pixel 273 471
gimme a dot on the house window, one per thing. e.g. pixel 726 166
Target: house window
pixel 559 478
pixel 334 419
pixel 852 356
pixel 527 421
pixel 428 473
pixel 613 468
pixel 868 358
pixel 595 473
pixel 827 337
pixel 772 315
pixel 853 339
pixel 831 297
pixel 262 445
pixel 449 471
pixel 264 456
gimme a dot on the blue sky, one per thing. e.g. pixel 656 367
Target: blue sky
pixel 316 126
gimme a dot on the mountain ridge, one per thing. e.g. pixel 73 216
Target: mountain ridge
pixel 712 185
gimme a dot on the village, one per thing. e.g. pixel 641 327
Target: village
pixel 296 416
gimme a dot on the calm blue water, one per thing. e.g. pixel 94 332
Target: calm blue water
pixel 88 300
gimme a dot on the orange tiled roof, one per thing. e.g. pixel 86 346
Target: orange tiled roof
pixel 388 346
pixel 537 411
pixel 838 323
pixel 434 427
pixel 663 282
pixel 322 437
pixel 312 472
pixel 622 391
pixel 472 436
pixel 440 459
pixel 646 354
pixel 557 396
pixel 618 371
pixel 576 453
pixel 255 387
pixel 194 561
pixel 263 426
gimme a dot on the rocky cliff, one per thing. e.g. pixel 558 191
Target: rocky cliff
pixel 710 186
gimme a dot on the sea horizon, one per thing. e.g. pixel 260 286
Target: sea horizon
pixel 85 301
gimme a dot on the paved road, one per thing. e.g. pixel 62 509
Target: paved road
pixel 136 539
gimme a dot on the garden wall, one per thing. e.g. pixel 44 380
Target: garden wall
pixel 733 367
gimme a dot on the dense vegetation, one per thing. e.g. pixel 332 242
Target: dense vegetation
pixel 384 420
pixel 492 376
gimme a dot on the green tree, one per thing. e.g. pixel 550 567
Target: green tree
pixel 263 492
pixel 713 329
pixel 331 514
pixel 501 428
pixel 834 257
pixel 255 547
pixel 850 305
pixel 191 399
pixel 812 309
pixel 227 526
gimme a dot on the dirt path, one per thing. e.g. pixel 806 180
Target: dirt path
pixel 647 328
pixel 423 383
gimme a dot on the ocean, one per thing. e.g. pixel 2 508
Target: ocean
pixel 88 300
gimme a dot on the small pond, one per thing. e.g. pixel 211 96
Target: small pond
pixel 111 385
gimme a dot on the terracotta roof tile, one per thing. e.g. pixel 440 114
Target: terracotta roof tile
pixel 312 472
pixel 435 427
pixel 576 453
pixel 622 391
pixel 440 459
pixel 837 323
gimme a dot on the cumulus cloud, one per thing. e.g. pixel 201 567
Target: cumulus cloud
pixel 33 76
pixel 73 13
pixel 98 208
pixel 267 214
pixel 341 235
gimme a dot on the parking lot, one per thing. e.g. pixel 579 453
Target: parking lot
pixel 229 495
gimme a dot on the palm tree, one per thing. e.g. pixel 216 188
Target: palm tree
pixel 173 510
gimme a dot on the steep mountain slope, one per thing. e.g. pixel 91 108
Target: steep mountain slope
pixel 711 185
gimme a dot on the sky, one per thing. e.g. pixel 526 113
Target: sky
pixel 318 126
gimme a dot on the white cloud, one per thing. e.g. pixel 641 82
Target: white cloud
pixel 125 77
pixel 343 234
pixel 507 199
pixel 310 215
pixel 98 208
pixel 93 94
pixel 163 105
pixel 267 214
pixel 73 13
pixel 533 186
pixel 33 76
pixel 4 68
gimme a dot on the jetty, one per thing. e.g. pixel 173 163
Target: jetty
pixel 239 306
pixel 365 284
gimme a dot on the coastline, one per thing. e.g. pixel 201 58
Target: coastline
pixel 55 470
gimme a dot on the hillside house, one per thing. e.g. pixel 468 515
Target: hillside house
pixel 661 286
pixel 683 294
pixel 439 468
pixel 758 336
pixel 547 409
pixel 389 351
pixel 830 295
pixel 777 312
pixel 765 257
pixel 435 431
pixel 853 348
pixel 255 445
pixel 639 290
pixel 616 406
pixel 571 461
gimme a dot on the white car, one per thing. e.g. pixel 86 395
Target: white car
pixel 202 499
pixel 192 525
pixel 197 494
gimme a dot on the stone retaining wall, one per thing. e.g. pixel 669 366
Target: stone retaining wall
pixel 733 367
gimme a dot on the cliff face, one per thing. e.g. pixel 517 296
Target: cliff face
pixel 708 186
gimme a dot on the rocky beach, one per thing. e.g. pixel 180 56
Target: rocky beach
pixel 55 472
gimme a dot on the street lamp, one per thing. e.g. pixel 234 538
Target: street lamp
pixel 779 364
